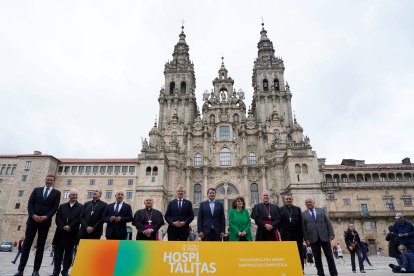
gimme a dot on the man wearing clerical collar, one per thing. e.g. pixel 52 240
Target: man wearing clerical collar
pixel 267 217
pixel 67 233
pixel 92 217
pixel 291 223
pixel 148 221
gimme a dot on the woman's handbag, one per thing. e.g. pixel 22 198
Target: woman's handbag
pixel 352 246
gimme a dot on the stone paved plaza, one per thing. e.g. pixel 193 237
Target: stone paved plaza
pixel 380 267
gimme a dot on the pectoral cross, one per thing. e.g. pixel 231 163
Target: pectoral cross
pixel 149 222
pixel 269 216
pixel 290 219
pixel 91 212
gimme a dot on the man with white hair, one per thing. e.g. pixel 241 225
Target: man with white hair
pixel 148 221
pixel 67 233
pixel 267 217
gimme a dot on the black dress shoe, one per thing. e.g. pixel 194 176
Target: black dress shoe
pixel 35 273
pixel 18 273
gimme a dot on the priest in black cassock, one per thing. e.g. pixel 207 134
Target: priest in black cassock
pixel 148 221
pixel 267 218
pixel 291 224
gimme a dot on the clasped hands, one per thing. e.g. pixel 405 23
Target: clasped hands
pixel 178 224
pixel 114 218
pixel 268 227
pixel 39 219
pixel 241 234
pixel 148 232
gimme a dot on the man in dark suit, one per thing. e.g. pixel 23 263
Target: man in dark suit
pixel 211 221
pixel 291 224
pixel 116 216
pixel 43 204
pixel 92 217
pixel 318 232
pixel 67 233
pixel 179 215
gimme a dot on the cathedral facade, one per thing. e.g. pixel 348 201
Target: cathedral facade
pixel 239 151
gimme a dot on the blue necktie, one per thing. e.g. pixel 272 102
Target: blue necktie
pixel 313 214
pixel 212 207
pixel 117 208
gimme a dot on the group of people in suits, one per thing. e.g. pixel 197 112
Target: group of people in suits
pixel 76 221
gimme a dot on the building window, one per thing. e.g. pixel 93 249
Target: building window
pixel 89 195
pixel 124 169
pixel 110 169
pixel 347 201
pixel 130 182
pixel 172 87
pixel 108 195
pixel 117 169
pixel 407 201
pixel 102 169
pixel 197 160
pixel 364 209
pixel 304 168
pixel 110 181
pixel 148 171
pixel 155 171
pixel 66 194
pixel 81 169
pixel 17 206
pixel 389 205
pixel 24 177
pixel 197 194
pixel 330 196
pixel 265 85
pixel 95 169
pixel 13 170
pixel 91 181
pixel 19 227
pixel 276 84
pixel 369 225
pixel 183 88
pixel 20 193
pixel 68 182
pixel 131 169
pixel 60 169
pixel 129 195
pixel 74 169
pixel 28 165
pixel 152 178
pixel 252 159
pixel 224 133
pixel 254 189
pixel 220 190
pixel 67 169
pixel 88 169
pixel 225 158
pixel 232 190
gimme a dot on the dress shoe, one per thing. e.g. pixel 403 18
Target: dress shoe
pixel 35 273
pixel 18 273
pixel 362 271
pixel 13 262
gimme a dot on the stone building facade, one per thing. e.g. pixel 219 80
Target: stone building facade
pixel 239 151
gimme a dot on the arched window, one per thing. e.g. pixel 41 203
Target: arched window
pixel 276 84
pixel 197 193
pixel 297 168
pixel 183 88
pixel 225 159
pixel 232 190
pixel 304 168
pixel 148 171
pixel 224 133
pixel 265 85
pixel 220 190
pixel 155 171
pixel 254 189
pixel 172 87
pixel 252 159
pixel 197 160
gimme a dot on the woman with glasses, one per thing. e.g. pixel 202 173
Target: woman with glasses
pixel 239 222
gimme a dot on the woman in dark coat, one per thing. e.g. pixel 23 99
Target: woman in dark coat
pixel 393 243
pixel 353 243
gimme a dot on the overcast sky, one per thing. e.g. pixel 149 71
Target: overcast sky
pixel 82 78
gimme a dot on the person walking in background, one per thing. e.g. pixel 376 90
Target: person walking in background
pixel 239 221
pixel 179 215
pixel 405 231
pixel 309 255
pixel 318 232
pixel 19 249
pixel 393 243
pixel 364 252
pixel 42 206
pixel 340 253
pixel 353 243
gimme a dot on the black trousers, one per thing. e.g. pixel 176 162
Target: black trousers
pixel 63 253
pixel 31 229
pixel 357 251
pixel 212 236
pixel 316 250
pixel 178 235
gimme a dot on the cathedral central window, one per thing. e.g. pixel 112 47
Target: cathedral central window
pixel 224 133
pixel 225 158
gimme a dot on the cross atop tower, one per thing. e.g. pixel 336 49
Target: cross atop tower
pixel 182 24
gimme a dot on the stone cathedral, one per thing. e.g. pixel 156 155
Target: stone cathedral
pixel 239 150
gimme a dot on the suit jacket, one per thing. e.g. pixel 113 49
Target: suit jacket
pixel 38 206
pixel 94 220
pixel 320 228
pixel 206 221
pixel 67 215
pixel 119 228
pixel 173 213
